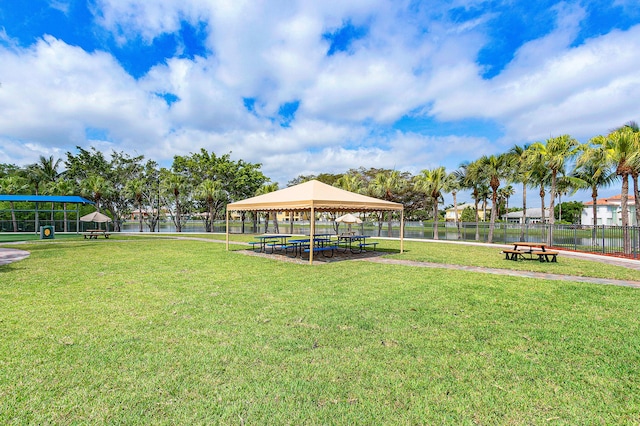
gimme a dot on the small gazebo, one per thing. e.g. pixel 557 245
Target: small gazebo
pixel 315 196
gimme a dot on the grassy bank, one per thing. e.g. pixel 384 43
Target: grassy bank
pixel 141 331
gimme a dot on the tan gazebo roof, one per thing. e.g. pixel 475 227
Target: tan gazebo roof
pixel 313 194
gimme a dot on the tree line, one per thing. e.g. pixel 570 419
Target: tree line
pixel 204 183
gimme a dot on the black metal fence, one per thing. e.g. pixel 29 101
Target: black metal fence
pixel 602 239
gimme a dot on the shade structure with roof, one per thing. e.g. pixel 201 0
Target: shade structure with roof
pixel 315 196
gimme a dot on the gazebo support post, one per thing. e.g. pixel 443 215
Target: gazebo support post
pixel 227 230
pixel 312 232
pixel 402 231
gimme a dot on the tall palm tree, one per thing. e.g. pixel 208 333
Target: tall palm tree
pixel 495 168
pixel 386 186
pixel 432 183
pixel 453 185
pixel 265 189
pixel 554 154
pixel 596 171
pixel 539 174
pixel 472 178
pixel 621 151
pixel 13 185
pixel 635 166
pixel 521 174
pixel 211 192
pixel 506 193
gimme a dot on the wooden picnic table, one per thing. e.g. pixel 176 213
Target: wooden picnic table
pixel 95 233
pixel 530 249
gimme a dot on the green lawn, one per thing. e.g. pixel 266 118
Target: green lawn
pixel 158 331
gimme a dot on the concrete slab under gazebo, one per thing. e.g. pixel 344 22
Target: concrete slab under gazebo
pixel 315 196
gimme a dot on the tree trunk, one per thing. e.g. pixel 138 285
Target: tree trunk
pixel 276 228
pixel 594 197
pixel 524 211
pixel 455 214
pixel 475 200
pixel 552 202
pixel 625 213
pixel 65 225
pixel 494 208
pixel 435 220
pixel 13 217
pixel 636 195
pixel 390 216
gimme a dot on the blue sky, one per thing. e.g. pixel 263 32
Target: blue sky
pixel 308 87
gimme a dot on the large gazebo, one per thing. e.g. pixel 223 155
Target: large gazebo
pixel 314 196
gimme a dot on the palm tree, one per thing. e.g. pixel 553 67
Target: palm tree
pixel 521 174
pixel 12 185
pixel 176 186
pixel 96 188
pixel 506 193
pixel 135 190
pixel 635 164
pixel 554 154
pixel 495 168
pixel 596 171
pixel 386 186
pixel 621 151
pixel 453 185
pixel 64 187
pixel 265 189
pixel 432 183
pixel 471 178
pixel 539 174
pixel 350 182
pixel 210 191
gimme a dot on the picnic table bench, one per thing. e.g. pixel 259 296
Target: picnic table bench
pixel 94 233
pixel 321 249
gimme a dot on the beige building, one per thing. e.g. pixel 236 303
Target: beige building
pixel 450 214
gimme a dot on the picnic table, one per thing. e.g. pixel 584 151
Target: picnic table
pixel 303 245
pixel 275 240
pixel 95 233
pixel 527 250
pixel 355 243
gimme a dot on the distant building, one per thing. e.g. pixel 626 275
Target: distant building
pixel 608 211
pixel 450 214
pixel 533 216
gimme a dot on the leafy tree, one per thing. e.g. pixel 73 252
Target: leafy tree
pixel 571 211
pixel 13 185
pixel 265 189
pixel 134 189
pixel 468 214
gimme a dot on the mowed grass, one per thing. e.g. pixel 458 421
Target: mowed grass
pixel 158 331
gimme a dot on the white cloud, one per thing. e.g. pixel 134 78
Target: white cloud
pixel 55 96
